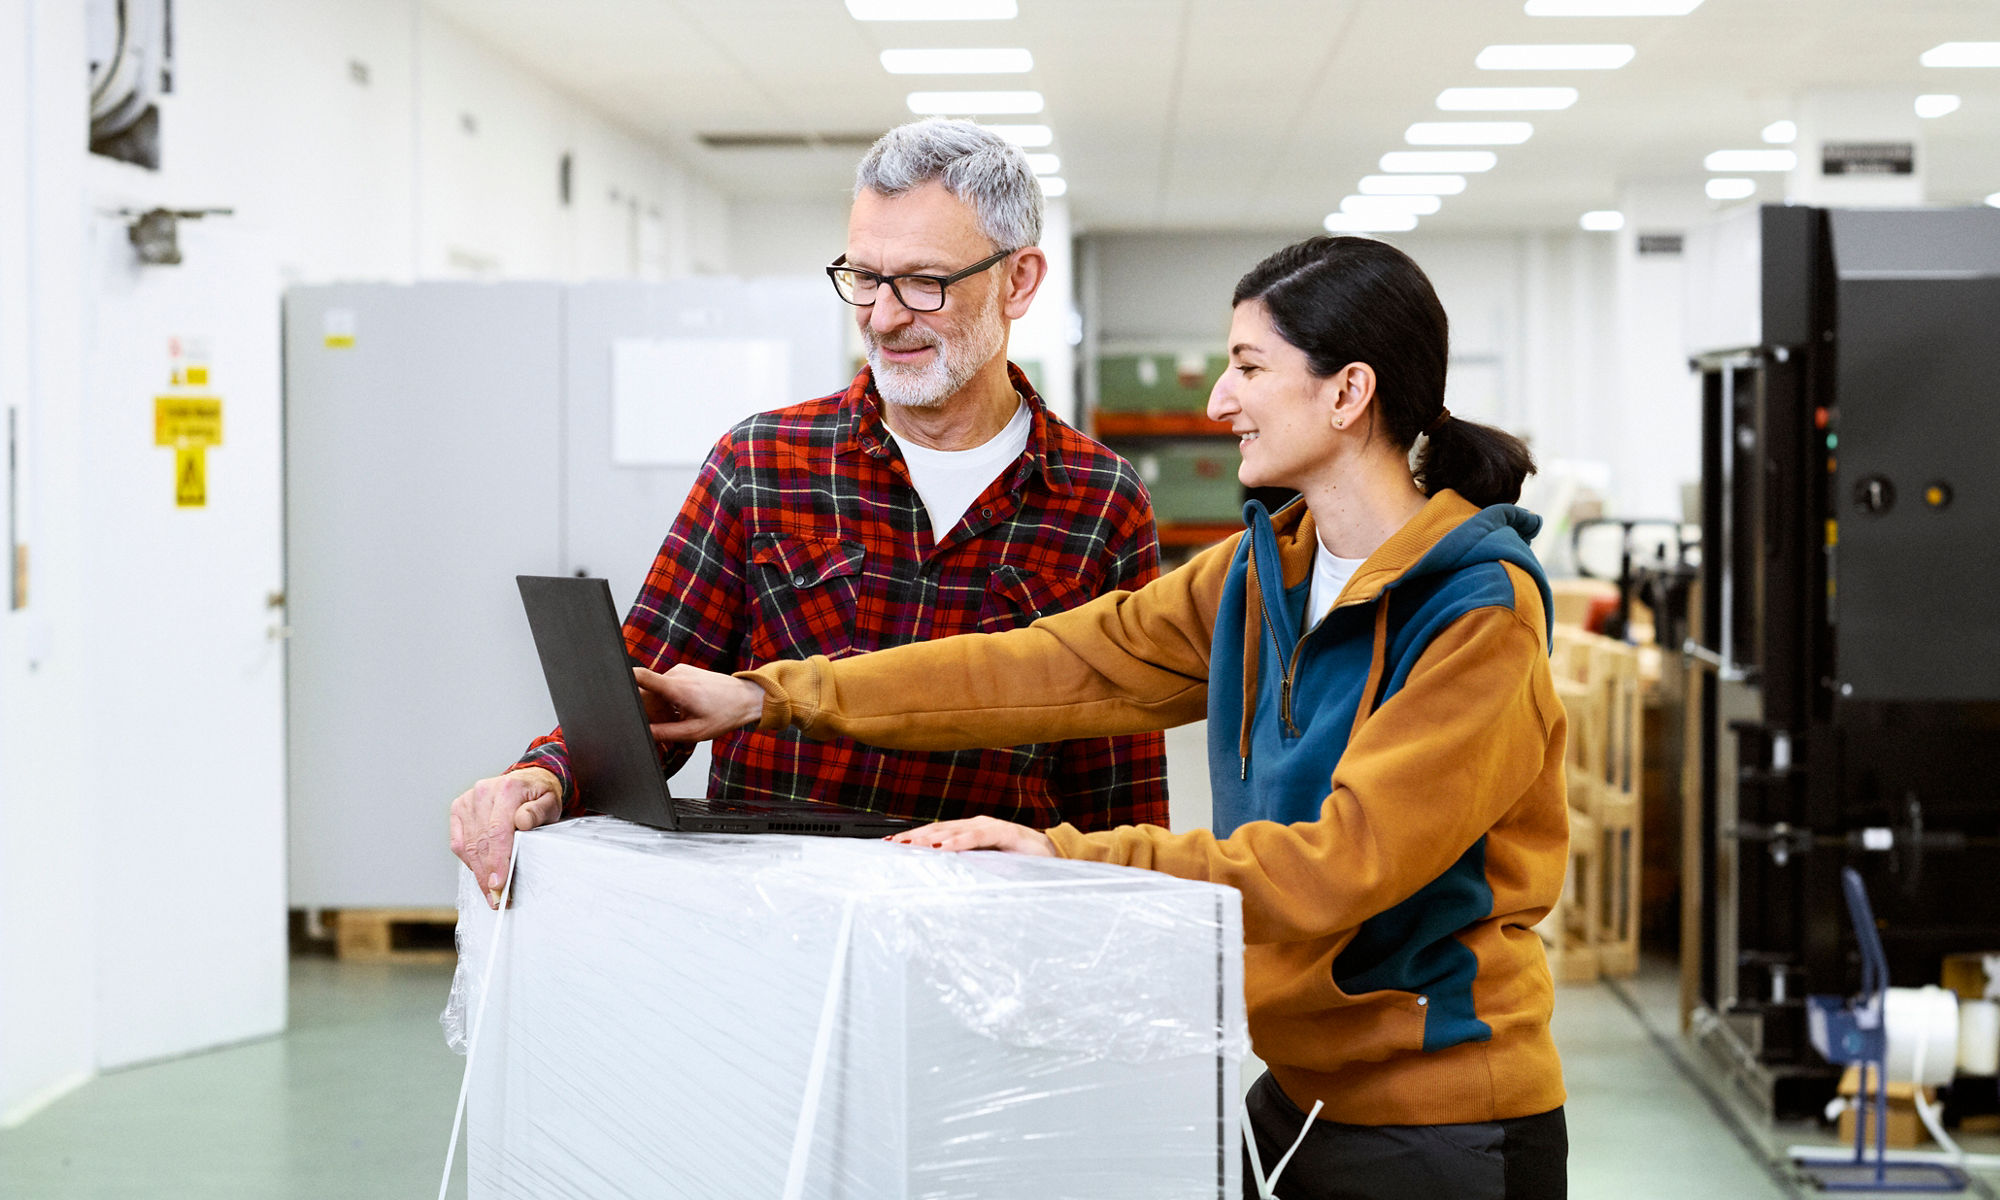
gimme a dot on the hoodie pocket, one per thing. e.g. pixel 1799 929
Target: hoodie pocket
pixel 1379 1025
pixel 808 590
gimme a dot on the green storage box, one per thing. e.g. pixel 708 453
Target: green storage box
pixel 1157 382
pixel 1193 481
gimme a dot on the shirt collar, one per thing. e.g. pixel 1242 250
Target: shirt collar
pixel 864 431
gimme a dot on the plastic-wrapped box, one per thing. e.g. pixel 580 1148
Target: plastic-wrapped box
pixel 794 1017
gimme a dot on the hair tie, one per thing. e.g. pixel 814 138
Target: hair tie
pixel 1437 422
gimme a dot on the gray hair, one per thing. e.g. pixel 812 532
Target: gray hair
pixel 987 173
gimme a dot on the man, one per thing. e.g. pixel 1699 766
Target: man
pixel 935 495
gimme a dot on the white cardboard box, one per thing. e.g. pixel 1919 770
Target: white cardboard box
pixel 680 1015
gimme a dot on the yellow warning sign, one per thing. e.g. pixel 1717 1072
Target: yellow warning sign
pixel 191 476
pixel 187 420
pixel 197 375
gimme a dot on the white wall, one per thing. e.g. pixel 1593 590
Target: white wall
pixel 346 180
pixel 47 955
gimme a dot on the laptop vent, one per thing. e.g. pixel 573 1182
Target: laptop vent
pixel 801 827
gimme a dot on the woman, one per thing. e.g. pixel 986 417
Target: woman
pixel 1384 741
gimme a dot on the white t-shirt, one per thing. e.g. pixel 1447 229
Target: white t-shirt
pixel 1330 574
pixel 950 480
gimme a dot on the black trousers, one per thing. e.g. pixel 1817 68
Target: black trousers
pixel 1521 1159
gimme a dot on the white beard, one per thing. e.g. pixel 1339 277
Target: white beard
pixel 951 368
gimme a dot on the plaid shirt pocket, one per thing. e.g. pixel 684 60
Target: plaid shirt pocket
pixel 808 588
pixel 1015 597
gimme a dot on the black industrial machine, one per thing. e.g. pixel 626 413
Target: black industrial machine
pixel 1846 639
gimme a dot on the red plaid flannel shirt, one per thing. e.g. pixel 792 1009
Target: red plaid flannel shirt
pixel 802 536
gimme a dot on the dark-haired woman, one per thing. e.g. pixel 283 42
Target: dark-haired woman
pixel 1385 745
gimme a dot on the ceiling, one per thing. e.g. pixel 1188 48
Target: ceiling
pixel 1258 114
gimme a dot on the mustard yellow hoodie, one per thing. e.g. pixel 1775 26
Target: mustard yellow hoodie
pixel 1388 787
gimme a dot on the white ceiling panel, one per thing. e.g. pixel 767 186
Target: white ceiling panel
pixel 1256 114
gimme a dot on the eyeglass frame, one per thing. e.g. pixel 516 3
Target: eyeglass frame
pixel 943 282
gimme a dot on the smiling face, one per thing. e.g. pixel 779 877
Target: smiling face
pixel 1282 414
pixel 922 359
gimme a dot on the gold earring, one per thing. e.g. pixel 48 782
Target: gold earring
pixel 1340 422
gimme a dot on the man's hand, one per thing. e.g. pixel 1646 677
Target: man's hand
pixel 979 833
pixel 484 818
pixel 688 704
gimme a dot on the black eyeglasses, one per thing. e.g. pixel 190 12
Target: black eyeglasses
pixel 918 293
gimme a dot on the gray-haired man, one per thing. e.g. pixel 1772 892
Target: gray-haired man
pixel 934 495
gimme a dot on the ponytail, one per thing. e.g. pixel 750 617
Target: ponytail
pixel 1483 464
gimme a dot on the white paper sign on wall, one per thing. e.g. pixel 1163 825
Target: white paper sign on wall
pixel 671 398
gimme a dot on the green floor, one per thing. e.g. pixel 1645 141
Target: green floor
pixel 355 1102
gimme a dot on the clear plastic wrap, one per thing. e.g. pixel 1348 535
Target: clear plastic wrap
pixel 704 1016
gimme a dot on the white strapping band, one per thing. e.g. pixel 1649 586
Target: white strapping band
pixel 478 1019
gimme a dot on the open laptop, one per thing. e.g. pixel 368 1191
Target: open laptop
pixel 611 750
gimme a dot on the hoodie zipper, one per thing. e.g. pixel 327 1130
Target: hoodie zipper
pixel 1285 684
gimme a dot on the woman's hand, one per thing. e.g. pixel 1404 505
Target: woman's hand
pixel 979 833
pixel 688 704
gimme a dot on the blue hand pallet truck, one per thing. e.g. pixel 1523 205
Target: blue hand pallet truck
pixel 1853 1031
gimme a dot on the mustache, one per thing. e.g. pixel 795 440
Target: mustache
pixel 895 342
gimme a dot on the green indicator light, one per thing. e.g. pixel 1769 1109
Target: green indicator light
pixel 1833 441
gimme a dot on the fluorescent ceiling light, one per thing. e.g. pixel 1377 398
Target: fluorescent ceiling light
pixel 1751 160
pixel 1368 206
pixel 1553 58
pixel 1027 136
pixel 1341 222
pixel 957 62
pixel 1610 8
pixel 1506 99
pixel 1468 133
pixel 1468 162
pixel 1730 189
pixel 1994 200
pixel 932 10
pixel 1052 185
pixel 1962 54
pixel 1044 164
pixel 1936 105
pixel 975 102
pixel 1603 220
pixel 1781 133
pixel 1411 185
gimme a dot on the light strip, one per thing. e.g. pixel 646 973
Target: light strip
pixel 1731 189
pixel 1341 222
pixel 1368 206
pixel 1603 220
pixel 933 10
pixel 1468 133
pixel 1554 58
pixel 1506 99
pixel 1962 54
pixel 1936 104
pixel 957 62
pixel 1610 8
pixel 1469 162
pixel 952 103
pixel 1044 164
pixel 1052 185
pixel 1026 136
pixel 1411 185
pixel 1751 160
pixel 1781 133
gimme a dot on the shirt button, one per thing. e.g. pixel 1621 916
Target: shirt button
pixel 986 512
pixel 798 580
pixel 1423 1000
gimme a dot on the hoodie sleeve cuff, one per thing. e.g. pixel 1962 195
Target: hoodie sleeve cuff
pixel 791 694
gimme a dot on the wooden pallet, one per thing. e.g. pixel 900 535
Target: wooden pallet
pixel 1594 930
pixel 399 935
